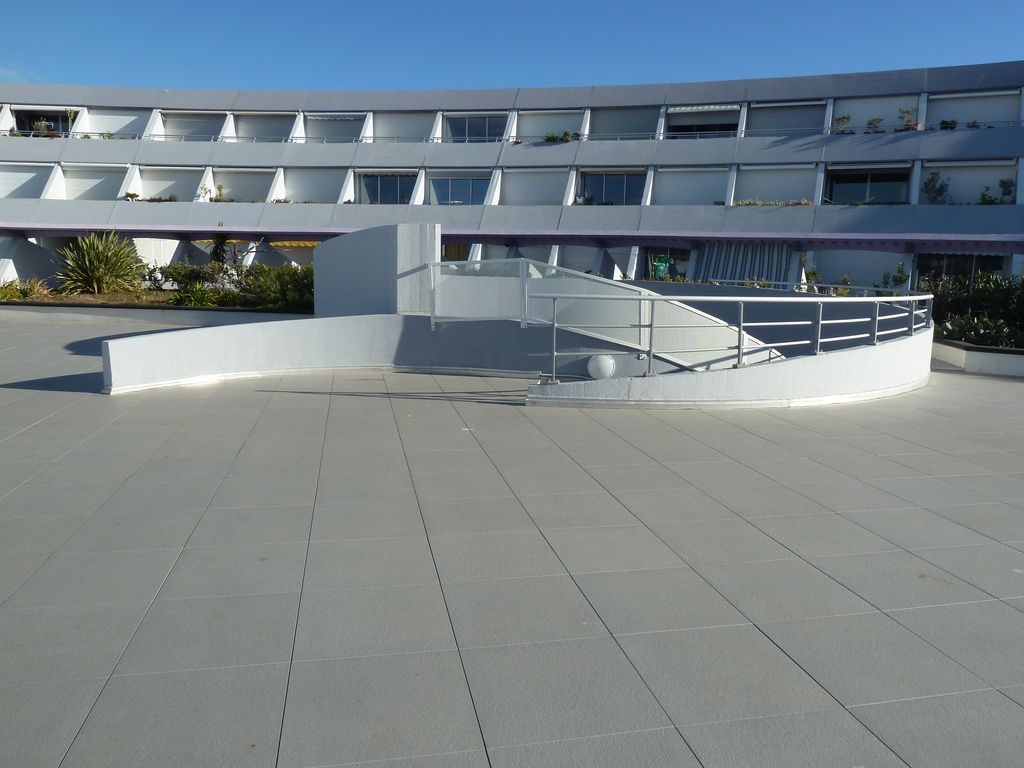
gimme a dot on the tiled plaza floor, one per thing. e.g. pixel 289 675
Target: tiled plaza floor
pixel 412 571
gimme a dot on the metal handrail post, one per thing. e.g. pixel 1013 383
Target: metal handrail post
pixel 911 316
pixel 650 340
pixel 928 312
pixel 554 339
pixel 523 301
pixel 874 322
pixel 433 295
pixel 817 329
pixel 739 337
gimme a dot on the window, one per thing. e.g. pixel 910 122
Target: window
pixel 459 191
pixel 611 188
pixel 454 251
pixel 871 187
pixel 43 122
pixel 386 188
pixel 933 265
pixel 667 263
pixel 476 128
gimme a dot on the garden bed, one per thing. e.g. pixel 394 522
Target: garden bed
pixel 974 358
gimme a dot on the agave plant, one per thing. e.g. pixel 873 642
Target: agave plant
pixel 104 263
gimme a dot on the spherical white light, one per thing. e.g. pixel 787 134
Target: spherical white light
pixel 601 366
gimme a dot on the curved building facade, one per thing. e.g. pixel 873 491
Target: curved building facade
pixel 848 175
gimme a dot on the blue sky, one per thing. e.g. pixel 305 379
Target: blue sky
pixel 399 44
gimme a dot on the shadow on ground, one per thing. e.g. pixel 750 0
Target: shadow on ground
pixel 93 347
pixel 73 382
pixel 490 396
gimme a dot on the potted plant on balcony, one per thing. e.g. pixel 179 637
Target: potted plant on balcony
pixel 935 188
pixel 947 125
pixel 987 198
pixel 875 125
pixel 841 122
pixel 909 119
pixel 1007 187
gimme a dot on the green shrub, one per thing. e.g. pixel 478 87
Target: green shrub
pixel 103 263
pixel 34 288
pixel 978 329
pixel 997 297
pixel 183 274
pixel 228 297
pixel 284 287
pixel 10 291
pixel 194 295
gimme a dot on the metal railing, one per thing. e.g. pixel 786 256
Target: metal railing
pixel 906 315
pixel 526 292
pixel 947 125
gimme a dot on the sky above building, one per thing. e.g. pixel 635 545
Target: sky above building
pixel 400 45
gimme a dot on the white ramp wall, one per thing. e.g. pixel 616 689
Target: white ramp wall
pixel 380 270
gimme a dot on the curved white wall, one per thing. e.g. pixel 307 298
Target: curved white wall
pixel 862 373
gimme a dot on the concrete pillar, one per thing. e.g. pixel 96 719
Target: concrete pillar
pixel 660 131
pixel 648 187
pixel 915 183
pixel 819 183
pixel 1017 264
pixel 922 111
pixel 830 108
pixel 730 185
pixel 741 129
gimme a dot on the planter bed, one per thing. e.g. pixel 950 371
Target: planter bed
pixel 972 358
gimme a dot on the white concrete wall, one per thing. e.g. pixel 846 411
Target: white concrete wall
pixel 23 181
pixel 116 120
pixel 200 125
pixel 265 127
pixel 92 183
pixel 861 110
pixel 320 185
pixel 1001 108
pixel 533 187
pixel 689 187
pixel 775 183
pixel 376 270
pixel 980 361
pixel 862 373
pixel 966 182
pixel 415 126
pixel 164 182
pixel 536 125
pixel 244 186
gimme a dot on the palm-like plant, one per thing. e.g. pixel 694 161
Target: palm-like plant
pixel 104 263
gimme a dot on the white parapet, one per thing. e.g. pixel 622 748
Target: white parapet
pixel 845 376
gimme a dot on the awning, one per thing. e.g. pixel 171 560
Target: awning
pixel 704 108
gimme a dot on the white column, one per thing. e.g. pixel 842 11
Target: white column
pixel 494 188
pixel 227 130
pixel 348 188
pixel 648 187
pixel 81 124
pixel 570 188
pixel 585 128
pixel 155 125
pixel 1020 180
pixel 366 134
pixel 730 185
pixel 132 183
pixel 741 129
pixel 55 189
pixel 206 188
pixel 419 188
pixel 819 184
pixel 554 254
pixel 511 126
pixel 278 191
pixel 634 259
pixel 660 130
pixel 6 118
pixel 476 252
pixel 298 131
pixel 437 132
pixel 1017 264
pixel 922 111
pixel 915 183
pixel 830 108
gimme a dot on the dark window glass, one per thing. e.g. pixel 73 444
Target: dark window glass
pixel 388 190
pixel 457 128
pixel 369 189
pixel 479 191
pixel 461 191
pixel 614 188
pixel 635 188
pixel 405 187
pixel 855 188
pixel 476 128
pixel 441 190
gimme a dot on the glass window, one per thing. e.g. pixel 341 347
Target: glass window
pixel 860 187
pixel 473 128
pixel 441 190
pixel 386 189
pixel 461 191
pixel 611 189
